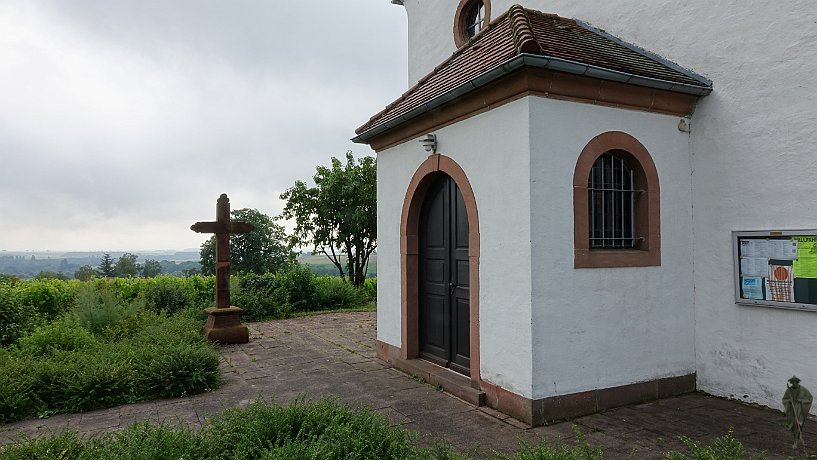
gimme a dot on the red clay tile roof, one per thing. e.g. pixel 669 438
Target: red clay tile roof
pixel 567 44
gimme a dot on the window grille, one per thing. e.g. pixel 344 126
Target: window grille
pixel 612 196
pixel 475 19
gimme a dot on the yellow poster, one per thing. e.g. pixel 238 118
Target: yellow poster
pixel 805 266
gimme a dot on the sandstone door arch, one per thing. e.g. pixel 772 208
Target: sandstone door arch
pixel 437 175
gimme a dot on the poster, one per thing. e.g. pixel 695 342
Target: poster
pixel 806 264
pixel 752 287
pixel 780 283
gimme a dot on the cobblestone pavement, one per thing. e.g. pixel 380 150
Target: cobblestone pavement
pixel 333 356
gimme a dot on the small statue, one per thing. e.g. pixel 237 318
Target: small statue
pixel 796 405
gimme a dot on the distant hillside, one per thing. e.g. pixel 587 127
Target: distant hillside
pixel 320 265
pixel 27 264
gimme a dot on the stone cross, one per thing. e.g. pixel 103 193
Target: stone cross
pixel 223 321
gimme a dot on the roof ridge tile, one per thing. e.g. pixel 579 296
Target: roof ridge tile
pixel 522 32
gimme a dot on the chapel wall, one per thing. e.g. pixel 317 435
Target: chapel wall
pixel 753 160
pixel 596 328
pixel 497 169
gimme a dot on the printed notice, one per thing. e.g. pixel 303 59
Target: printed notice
pixel 754 266
pixel 752 287
pixel 806 264
pixel 747 248
pixel 783 249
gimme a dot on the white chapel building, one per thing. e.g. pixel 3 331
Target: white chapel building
pixel 588 204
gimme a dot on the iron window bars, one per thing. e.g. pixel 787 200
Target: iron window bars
pixel 612 196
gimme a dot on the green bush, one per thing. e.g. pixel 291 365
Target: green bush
pixel 202 290
pixel 98 309
pixel 177 369
pixel 15 318
pixel 259 297
pixel 580 450
pixel 322 429
pixel 50 297
pixel 57 336
pixel 331 293
pixel 296 288
pixel 64 368
pixel 721 448
pixel 370 289
pixel 16 384
pixel 168 293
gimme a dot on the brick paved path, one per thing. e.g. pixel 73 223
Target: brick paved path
pixel 333 355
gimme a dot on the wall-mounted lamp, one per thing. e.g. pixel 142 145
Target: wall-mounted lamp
pixel 683 126
pixel 429 143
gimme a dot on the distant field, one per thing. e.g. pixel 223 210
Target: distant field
pixel 322 266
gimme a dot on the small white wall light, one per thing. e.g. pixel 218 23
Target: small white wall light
pixel 429 143
pixel 683 126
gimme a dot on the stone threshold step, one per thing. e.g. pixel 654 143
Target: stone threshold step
pixel 452 382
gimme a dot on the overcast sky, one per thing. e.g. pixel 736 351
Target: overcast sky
pixel 122 121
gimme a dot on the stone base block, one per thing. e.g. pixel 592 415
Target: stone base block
pixel 224 326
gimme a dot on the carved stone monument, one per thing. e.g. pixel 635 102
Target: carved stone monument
pixel 224 320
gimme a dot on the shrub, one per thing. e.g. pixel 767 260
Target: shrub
pixel 296 288
pixel 580 450
pixel 322 429
pixel 50 297
pixel 98 309
pixel 168 293
pixel 370 289
pixel 15 318
pixel 721 448
pixel 331 293
pixel 258 297
pixel 16 386
pixel 202 290
pixel 58 335
pixel 64 368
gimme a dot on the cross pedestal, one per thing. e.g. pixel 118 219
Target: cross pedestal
pixel 224 320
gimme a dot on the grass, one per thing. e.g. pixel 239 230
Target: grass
pixel 322 429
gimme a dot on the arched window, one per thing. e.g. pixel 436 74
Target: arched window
pixel 475 18
pixel 616 200
pixel 472 16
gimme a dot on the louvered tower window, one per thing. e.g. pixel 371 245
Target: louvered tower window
pixel 612 198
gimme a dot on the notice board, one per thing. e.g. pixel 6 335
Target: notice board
pixel 776 268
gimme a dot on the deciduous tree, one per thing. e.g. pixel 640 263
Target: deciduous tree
pixel 85 273
pixel 263 250
pixel 151 268
pixel 126 266
pixel 338 215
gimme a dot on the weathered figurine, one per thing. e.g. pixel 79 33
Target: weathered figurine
pixel 796 405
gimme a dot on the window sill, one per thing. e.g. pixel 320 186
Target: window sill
pixel 606 258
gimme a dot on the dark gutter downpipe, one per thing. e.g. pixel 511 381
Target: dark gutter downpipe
pixel 536 61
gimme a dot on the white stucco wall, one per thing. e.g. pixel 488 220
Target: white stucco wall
pixel 493 163
pixel 601 328
pixel 750 137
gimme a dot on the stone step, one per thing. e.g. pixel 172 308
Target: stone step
pixel 452 382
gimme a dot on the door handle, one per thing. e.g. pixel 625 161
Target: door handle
pixel 451 287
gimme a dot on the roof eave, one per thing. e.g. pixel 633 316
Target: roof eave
pixel 536 61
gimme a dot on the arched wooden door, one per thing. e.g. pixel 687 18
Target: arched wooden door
pixel 444 310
